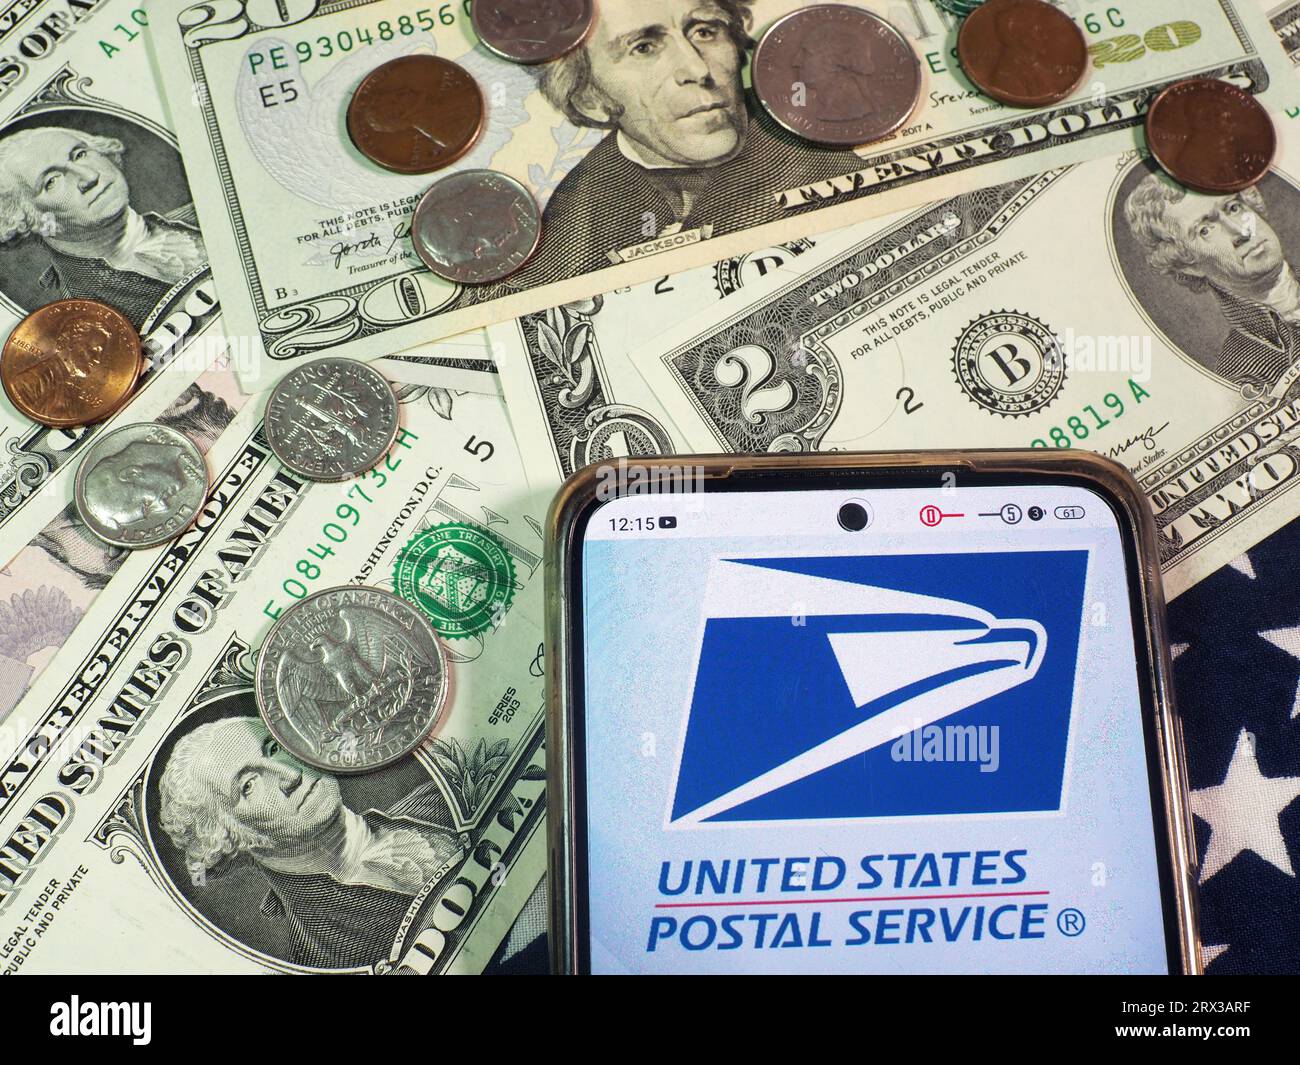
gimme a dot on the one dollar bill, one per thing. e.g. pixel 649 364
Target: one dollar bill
pixel 311 241
pixel 148 822
pixel 86 159
pixel 59 570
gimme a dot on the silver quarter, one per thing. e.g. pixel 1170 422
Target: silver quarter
pixel 476 226
pixel 835 74
pixel 332 419
pixel 141 485
pixel 532 31
pixel 351 679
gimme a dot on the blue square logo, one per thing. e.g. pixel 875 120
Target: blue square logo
pixel 882 686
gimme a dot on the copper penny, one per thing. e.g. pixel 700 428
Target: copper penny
pixel 532 31
pixel 71 363
pixel 835 74
pixel 416 114
pixel 1210 135
pixel 1022 52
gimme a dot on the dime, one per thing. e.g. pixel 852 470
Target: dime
pixel 532 31
pixel 332 419
pixel 351 679
pixel 141 485
pixel 1026 53
pixel 837 75
pixel 1210 135
pixel 416 114
pixel 476 226
pixel 71 363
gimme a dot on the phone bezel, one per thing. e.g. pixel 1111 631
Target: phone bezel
pixel 578 502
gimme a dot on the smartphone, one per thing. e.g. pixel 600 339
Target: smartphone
pixel 863 713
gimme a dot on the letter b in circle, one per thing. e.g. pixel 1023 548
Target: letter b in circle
pixel 1009 360
pixel 1010 363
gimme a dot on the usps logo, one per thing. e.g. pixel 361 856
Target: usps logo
pixel 810 670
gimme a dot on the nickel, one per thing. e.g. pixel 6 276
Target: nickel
pixel 532 31
pixel 141 485
pixel 837 75
pixel 476 226
pixel 1210 136
pixel 71 363
pixel 416 114
pixel 1022 52
pixel 351 679
pixel 331 420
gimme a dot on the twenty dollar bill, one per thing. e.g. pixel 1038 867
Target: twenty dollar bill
pixel 646 151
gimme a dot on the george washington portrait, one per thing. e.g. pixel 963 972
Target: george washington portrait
pixel 337 879
pixel 72 225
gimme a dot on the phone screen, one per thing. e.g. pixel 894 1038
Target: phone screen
pixel 880 730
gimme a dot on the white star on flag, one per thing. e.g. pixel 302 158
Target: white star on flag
pixel 1244 566
pixel 1243 812
pixel 1287 640
pixel 1209 953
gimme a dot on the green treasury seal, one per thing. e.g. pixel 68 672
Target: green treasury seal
pixel 460 575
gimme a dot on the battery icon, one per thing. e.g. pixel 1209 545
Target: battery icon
pixel 668 523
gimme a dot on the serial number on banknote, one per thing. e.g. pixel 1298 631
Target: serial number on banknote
pixel 325 46
pixel 349 516
pixel 140 18
pixel 1079 428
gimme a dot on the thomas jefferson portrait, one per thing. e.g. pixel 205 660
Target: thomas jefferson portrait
pixel 137 483
pixel 684 146
pixel 1225 250
pixel 340 880
pixel 64 194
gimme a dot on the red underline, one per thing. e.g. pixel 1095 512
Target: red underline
pixel 863 898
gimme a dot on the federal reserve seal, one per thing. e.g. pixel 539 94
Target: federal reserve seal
pixel 460 575
pixel 1009 363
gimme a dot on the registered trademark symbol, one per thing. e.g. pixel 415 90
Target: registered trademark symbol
pixel 1070 922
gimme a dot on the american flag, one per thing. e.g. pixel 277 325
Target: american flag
pixel 1236 647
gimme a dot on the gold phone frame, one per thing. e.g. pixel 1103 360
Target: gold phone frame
pixel 578 497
